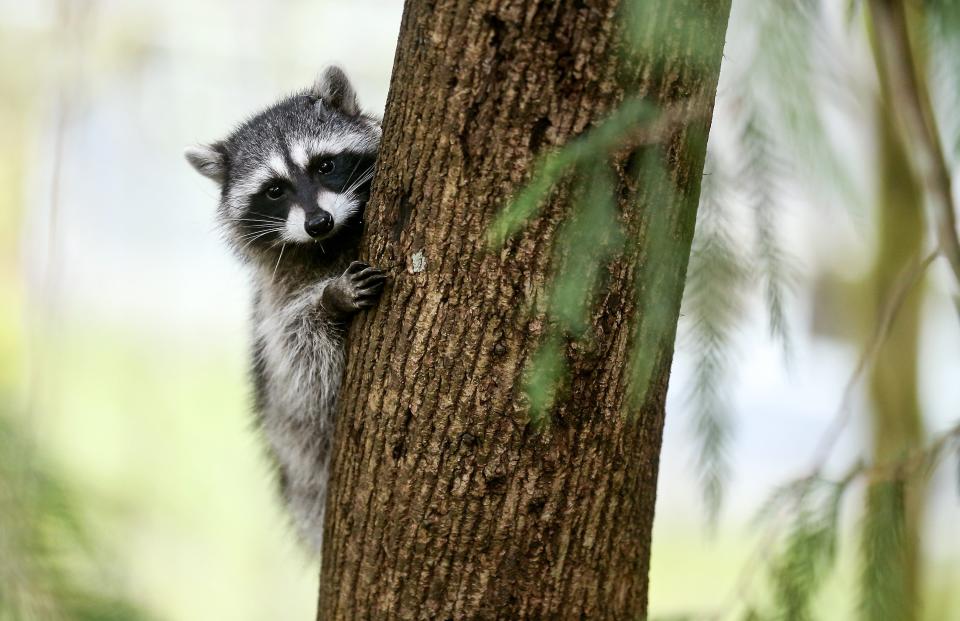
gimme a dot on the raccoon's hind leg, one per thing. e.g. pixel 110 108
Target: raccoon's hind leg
pixel 306 503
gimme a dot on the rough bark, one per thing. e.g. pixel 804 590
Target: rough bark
pixel 445 501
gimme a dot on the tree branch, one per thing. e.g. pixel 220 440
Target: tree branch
pixel 911 104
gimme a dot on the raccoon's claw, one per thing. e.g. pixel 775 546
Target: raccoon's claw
pixel 356 289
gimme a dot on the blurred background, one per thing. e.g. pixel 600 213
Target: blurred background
pixel 131 483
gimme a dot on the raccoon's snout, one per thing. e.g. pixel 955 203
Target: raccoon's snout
pixel 318 224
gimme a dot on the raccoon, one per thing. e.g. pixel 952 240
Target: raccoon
pixel 294 181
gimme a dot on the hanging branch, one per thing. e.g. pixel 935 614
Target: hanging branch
pixel 795 494
pixel 912 104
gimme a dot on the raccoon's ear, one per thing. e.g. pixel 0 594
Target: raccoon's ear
pixel 209 160
pixel 334 88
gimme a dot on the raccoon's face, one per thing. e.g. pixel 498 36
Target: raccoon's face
pixel 298 172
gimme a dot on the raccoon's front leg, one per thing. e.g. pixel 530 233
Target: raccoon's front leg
pixel 356 289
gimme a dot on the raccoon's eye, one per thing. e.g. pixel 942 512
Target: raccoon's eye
pixel 275 192
pixel 325 167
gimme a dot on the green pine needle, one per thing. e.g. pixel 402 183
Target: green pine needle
pixel 545 375
pixel 713 310
pixel 589 238
pixel 655 279
pixel 594 145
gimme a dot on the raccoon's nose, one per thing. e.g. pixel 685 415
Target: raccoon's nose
pixel 318 224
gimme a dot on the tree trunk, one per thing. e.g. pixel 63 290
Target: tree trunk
pixel 894 510
pixel 445 501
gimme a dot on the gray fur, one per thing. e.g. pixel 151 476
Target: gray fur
pixel 306 285
pixel 335 90
pixel 208 160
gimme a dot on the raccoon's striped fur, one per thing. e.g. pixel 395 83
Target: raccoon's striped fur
pixel 294 181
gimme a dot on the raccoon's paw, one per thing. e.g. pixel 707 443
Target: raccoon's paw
pixel 354 290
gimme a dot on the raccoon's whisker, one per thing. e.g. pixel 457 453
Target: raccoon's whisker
pixel 259 233
pixel 349 188
pixel 255 238
pixel 355 166
pixel 270 225
pixel 362 180
pixel 244 223
pixel 261 230
pixel 253 214
pixel 260 223
pixel 364 177
pixel 263 224
pixel 277 266
pixel 259 218
pixel 250 225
